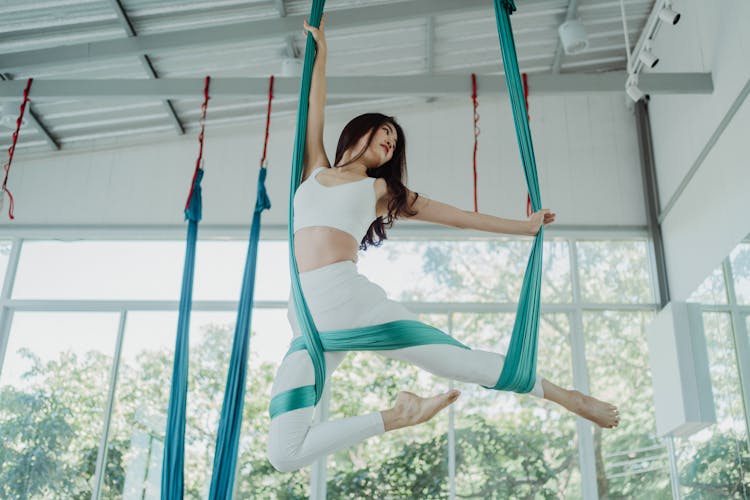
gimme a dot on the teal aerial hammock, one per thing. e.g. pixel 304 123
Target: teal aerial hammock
pixel 174 440
pixel 227 439
pixel 519 371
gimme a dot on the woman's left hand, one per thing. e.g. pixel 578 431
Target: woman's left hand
pixel 539 218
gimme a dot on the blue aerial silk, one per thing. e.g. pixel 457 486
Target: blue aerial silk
pixel 174 440
pixel 519 371
pixel 309 331
pixel 227 439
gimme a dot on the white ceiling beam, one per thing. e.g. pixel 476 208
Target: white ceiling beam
pixel 248 31
pixel 146 63
pixel 368 86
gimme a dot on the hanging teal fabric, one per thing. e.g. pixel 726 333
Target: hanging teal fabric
pixel 173 461
pixel 174 439
pixel 225 457
pixel 227 439
pixel 384 337
pixel 519 372
pixel 309 332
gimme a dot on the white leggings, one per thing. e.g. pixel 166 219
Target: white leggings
pixel 338 297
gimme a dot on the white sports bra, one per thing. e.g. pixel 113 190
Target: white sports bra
pixel 349 207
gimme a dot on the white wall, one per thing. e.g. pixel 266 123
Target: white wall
pixel 586 150
pixel 709 218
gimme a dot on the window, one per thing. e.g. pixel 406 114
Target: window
pixel 468 288
pixel 53 393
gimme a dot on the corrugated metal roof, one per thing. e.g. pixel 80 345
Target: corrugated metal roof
pixel 461 42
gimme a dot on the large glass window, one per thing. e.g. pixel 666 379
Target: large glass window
pixel 632 460
pixel 715 462
pixel 614 272
pixel 135 447
pixel 712 291
pixel 53 393
pixel 467 288
pixel 466 271
pixel 408 463
pixel 100 270
pixel 502 436
pixel 148 270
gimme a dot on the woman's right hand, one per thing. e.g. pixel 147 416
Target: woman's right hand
pixel 318 34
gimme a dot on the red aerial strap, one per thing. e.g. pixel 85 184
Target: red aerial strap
pixel 204 107
pixel 476 133
pixel 268 122
pixel 529 210
pixel 12 148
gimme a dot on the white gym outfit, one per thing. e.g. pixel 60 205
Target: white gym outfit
pixel 338 297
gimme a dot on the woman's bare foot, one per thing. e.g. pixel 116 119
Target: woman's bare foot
pixel 411 409
pixel 601 413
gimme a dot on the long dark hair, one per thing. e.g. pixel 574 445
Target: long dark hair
pixel 393 171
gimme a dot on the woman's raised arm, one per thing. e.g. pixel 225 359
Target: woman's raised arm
pixel 315 154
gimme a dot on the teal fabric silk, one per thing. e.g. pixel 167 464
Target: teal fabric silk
pixel 172 481
pixel 383 337
pixel 227 439
pixel 519 371
pixel 309 331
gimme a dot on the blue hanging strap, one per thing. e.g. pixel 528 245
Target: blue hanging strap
pixel 227 439
pixel 172 480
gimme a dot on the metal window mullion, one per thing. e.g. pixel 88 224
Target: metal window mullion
pixel 586 455
pixel 741 344
pixel 85 305
pixel 6 312
pixel 451 432
pixel 101 457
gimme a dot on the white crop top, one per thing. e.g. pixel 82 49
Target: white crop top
pixel 349 207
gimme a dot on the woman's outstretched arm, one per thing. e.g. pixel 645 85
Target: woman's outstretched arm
pixel 315 154
pixel 441 213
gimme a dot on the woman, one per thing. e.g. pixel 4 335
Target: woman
pixel 334 208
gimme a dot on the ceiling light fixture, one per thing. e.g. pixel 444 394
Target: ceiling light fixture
pixel 667 15
pixel 647 57
pixel 573 36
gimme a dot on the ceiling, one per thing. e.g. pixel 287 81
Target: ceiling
pixel 374 37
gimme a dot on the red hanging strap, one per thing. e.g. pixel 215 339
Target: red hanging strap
pixel 204 107
pixel 529 209
pixel 268 123
pixel 12 148
pixel 476 133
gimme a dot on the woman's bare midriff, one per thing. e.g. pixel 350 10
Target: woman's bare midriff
pixel 319 246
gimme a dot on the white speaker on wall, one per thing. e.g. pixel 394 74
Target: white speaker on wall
pixel 683 397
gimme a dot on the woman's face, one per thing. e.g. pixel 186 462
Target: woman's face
pixel 381 147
